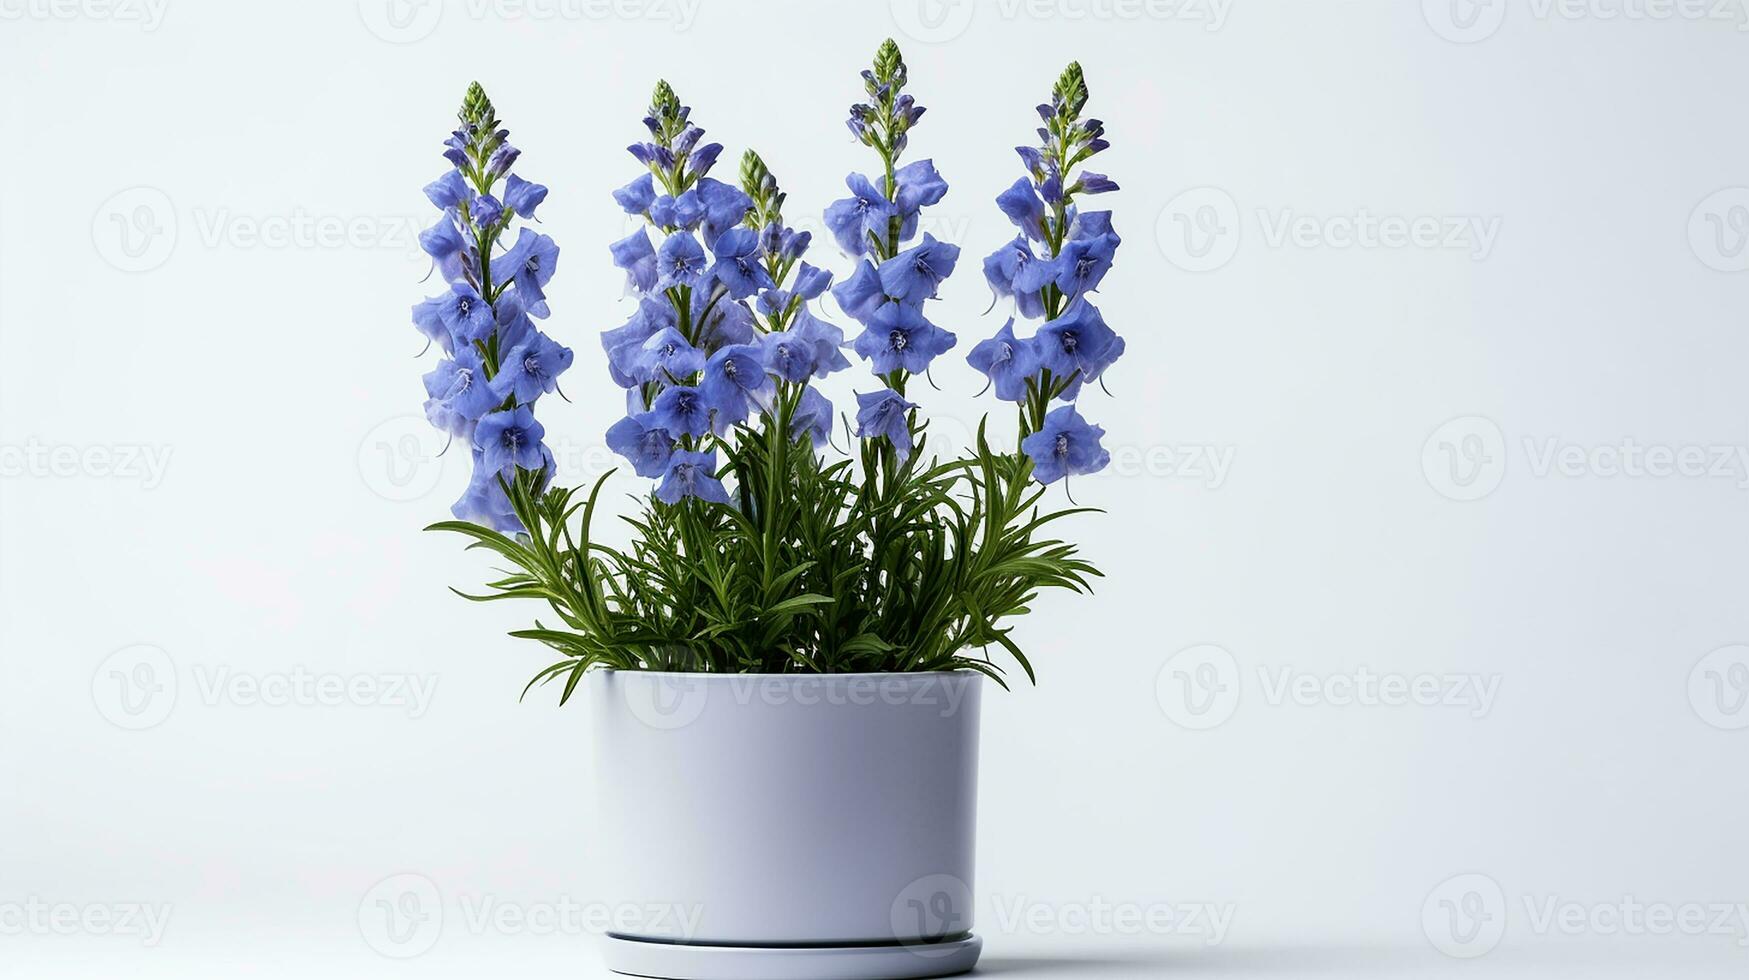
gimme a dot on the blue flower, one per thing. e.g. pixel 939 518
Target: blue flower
pixel 623 343
pixel 446 246
pixel 680 261
pixel 484 501
pixel 647 447
pixel 1092 224
pixel 719 205
pixel 665 356
pixel 919 186
pixel 812 418
pixel 459 394
pixel 692 475
pixel 827 339
pixel 1083 262
pixel 637 257
pixel 787 355
pixel 738 266
pixel 523 196
pixel 882 413
pixel 860 295
pixel 704 158
pixel 724 323
pixel 448 191
pixel 854 218
pixel 1065 445
pixel 898 338
pixel 1007 361
pixel 486 211
pixel 637 196
pixel 531 369
pixel 1092 183
pixel 913 275
pixel 1005 267
pixel 466 314
pixel 732 377
pixel 428 316
pixel 510 438
pixel 1078 340
pixel 531 262
pixel 1023 207
pixel 681 410
pixel 811 281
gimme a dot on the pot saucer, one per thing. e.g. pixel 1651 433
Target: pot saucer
pixel 676 961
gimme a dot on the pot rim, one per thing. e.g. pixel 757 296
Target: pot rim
pixel 721 675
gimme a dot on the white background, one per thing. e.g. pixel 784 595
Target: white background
pixel 207 258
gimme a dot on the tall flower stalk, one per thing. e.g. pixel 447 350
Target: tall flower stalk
pixel 497 364
pixel 1075 248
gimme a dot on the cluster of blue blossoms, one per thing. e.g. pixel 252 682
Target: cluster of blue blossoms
pixel 723 332
pixel 1049 270
pixel 722 329
pixel 497 364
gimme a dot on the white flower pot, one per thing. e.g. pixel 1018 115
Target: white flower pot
pixel 777 825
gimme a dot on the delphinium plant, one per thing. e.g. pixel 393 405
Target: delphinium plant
pixel 759 547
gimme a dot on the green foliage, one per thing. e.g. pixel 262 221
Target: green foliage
pixel 823 567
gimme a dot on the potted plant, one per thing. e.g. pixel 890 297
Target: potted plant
pixel 783 650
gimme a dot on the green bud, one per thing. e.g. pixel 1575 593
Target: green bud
pixel 889 64
pixel 476 107
pixel 1071 91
